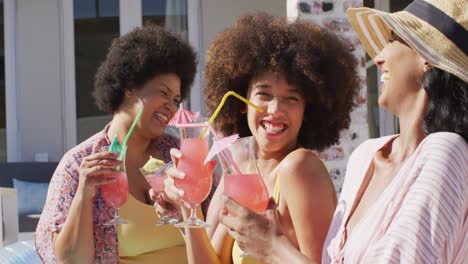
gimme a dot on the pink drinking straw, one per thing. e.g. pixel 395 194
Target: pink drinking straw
pixel 207 125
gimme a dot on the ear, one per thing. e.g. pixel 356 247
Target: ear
pixel 128 93
pixel 426 66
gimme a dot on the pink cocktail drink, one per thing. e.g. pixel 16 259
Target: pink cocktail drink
pixel 248 190
pixel 198 179
pixel 115 194
pixel 156 182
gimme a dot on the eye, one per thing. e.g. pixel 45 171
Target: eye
pixel 292 99
pixel 263 96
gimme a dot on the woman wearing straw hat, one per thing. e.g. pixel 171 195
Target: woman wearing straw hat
pixel 148 65
pixel 289 70
pixel 405 197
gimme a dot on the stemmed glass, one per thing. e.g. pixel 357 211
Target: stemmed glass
pixel 242 180
pixel 156 181
pixel 198 179
pixel 116 193
pixel 244 183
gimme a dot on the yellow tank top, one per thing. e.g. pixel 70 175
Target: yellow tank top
pixel 140 241
pixel 236 251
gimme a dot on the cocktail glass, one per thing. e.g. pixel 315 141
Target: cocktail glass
pixel 242 180
pixel 156 181
pixel 116 193
pixel 246 186
pixel 198 179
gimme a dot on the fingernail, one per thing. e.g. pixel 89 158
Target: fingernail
pixel 181 174
pixel 177 154
pixel 181 192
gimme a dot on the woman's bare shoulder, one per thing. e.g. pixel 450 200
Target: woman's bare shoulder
pixel 303 162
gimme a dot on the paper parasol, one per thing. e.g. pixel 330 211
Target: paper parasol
pixel 183 116
pixel 219 145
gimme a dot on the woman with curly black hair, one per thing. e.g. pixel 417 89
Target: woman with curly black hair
pixel 148 66
pixel 289 70
pixel 404 198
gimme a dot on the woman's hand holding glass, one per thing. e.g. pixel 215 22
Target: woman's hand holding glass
pixel 254 232
pixel 173 194
pixel 97 169
pixel 167 210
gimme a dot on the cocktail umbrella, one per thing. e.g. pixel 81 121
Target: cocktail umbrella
pixel 219 145
pixel 183 116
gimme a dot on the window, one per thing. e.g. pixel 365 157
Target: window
pixel 3 149
pixel 96 23
pixel 170 14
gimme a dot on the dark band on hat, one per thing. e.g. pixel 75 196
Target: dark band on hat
pixel 441 21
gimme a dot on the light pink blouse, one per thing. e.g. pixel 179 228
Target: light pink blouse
pixel 421 217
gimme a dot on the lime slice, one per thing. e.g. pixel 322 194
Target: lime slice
pixel 152 165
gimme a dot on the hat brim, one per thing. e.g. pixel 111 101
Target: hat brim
pixel 374 28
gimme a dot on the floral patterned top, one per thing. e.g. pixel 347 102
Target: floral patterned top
pixel 62 189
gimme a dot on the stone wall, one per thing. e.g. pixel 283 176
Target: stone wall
pixel 331 14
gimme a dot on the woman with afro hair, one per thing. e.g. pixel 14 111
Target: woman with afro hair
pixel 405 196
pixel 305 80
pixel 148 66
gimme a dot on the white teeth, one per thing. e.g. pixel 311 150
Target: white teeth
pixel 384 77
pixel 162 117
pixel 273 128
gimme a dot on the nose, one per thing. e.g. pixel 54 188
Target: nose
pixel 273 106
pixel 171 105
pixel 378 60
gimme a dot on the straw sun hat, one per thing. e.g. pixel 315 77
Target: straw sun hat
pixel 436 29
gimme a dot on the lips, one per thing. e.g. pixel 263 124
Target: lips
pixel 161 117
pixel 273 127
pixel 385 76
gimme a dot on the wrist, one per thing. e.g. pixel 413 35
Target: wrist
pixel 279 241
pixel 84 194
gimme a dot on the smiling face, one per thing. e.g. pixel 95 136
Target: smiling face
pixel 401 73
pixel 160 97
pixel 277 128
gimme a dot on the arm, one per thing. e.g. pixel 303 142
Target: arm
pixel 74 243
pixel 203 246
pixel 310 198
pixel 212 245
pixel 263 238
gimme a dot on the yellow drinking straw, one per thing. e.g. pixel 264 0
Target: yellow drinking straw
pixel 221 104
pixel 226 95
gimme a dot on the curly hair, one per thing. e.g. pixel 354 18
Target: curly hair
pixel 447 107
pixel 313 59
pixel 139 56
